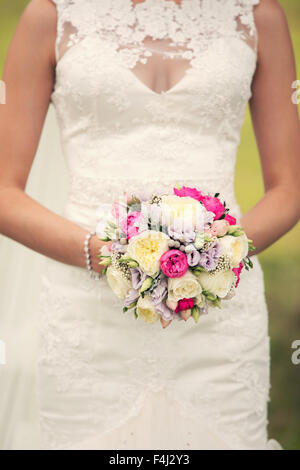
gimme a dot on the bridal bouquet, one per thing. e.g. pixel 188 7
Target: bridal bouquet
pixel 173 256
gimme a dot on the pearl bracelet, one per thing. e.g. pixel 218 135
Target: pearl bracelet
pixel 87 253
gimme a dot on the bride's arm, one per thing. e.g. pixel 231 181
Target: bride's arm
pixel 29 77
pixel 276 124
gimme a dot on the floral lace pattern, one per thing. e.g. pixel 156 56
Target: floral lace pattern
pixel 124 130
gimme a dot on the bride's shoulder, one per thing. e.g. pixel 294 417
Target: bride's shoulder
pixel 41 13
pixel 269 14
pixel 38 24
pixel 274 39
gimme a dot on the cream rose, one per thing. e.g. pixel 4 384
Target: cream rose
pixel 183 211
pixel 218 283
pixel 236 248
pixel 147 249
pixel 118 282
pixel 200 300
pixel 146 310
pixel 185 287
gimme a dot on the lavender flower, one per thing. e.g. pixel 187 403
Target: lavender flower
pixel 160 292
pixel 193 258
pixel 208 219
pixel 215 251
pixel 118 247
pixel 164 311
pixel 138 278
pixel 208 262
pixel 179 232
pixel 210 259
pixel 131 297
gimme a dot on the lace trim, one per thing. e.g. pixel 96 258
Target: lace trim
pixel 188 27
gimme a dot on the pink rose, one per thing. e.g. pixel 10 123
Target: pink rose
pixel 230 219
pixel 220 227
pixel 129 224
pixel 185 304
pixel 188 192
pixel 213 204
pixel 237 272
pixel 174 263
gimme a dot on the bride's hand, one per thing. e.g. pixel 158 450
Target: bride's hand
pixel 95 247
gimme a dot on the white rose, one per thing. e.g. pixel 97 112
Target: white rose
pixel 118 282
pixel 147 248
pixel 185 287
pixel 218 283
pixel 182 212
pixel 236 248
pixel 146 310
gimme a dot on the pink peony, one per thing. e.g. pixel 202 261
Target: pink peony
pixel 230 219
pixel 220 227
pixel 237 272
pixel 188 192
pixel 185 304
pixel 130 222
pixel 213 204
pixel 174 263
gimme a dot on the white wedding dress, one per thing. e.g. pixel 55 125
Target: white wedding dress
pixel 148 96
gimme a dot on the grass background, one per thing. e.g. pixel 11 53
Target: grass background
pixel 281 262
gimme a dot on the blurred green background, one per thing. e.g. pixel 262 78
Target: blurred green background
pixel 281 262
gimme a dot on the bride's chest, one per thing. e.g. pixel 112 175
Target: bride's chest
pixel 157 61
pixel 94 77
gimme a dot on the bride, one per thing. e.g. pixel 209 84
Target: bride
pixel 148 93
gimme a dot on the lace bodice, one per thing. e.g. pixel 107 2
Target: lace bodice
pixel 152 92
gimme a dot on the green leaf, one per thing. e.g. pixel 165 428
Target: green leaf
pixel 196 313
pixel 131 306
pixel 105 239
pixel 104 271
pixel 146 285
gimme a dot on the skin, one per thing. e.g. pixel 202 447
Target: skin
pixel 29 76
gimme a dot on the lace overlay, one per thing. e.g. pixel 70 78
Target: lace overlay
pixel 147 96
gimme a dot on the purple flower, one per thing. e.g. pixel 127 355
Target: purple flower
pixel 178 231
pixel 160 292
pixel 118 247
pixel 215 251
pixel 193 258
pixel 208 262
pixel 138 277
pixel 131 297
pixel 210 259
pixel 208 219
pixel 164 311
